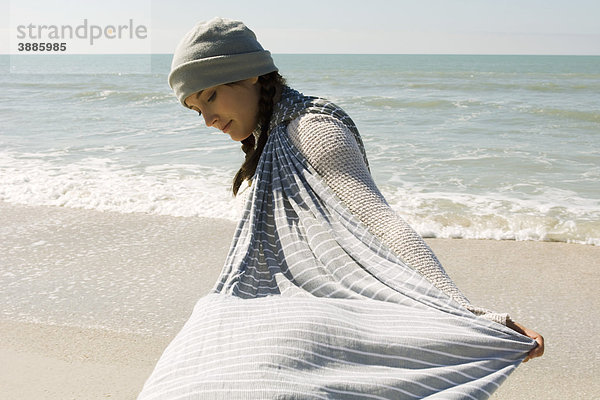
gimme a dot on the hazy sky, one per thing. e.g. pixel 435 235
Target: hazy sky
pixel 335 26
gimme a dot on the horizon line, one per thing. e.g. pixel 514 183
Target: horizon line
pixel 325 54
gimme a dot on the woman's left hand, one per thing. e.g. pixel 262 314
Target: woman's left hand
pixel 538 350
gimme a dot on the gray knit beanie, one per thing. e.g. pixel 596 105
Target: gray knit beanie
pixel 216 52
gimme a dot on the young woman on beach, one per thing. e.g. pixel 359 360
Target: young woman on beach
pixel 326 292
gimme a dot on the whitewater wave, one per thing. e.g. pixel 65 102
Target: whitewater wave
pixel 188 190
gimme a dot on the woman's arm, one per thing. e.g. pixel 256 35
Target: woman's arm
pixel 333 152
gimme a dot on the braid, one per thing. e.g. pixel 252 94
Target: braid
pixel 270 85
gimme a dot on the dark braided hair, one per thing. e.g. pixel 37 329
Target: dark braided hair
pixel 270 86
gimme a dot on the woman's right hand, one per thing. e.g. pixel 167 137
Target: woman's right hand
pixel 538 350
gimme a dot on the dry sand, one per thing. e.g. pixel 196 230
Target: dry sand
pixel 90 300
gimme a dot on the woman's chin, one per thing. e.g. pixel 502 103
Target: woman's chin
pixel 240 138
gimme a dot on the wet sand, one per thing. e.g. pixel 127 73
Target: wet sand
pixel 90 299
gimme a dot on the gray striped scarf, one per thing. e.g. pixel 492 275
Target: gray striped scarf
pixel 310 305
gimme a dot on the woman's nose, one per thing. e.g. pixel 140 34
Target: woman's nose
pixel 210 119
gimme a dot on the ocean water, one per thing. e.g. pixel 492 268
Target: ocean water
pixel 494 147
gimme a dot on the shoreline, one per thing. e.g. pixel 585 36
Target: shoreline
pixel 137 277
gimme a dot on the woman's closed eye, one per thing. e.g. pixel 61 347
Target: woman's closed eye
pixel 212 96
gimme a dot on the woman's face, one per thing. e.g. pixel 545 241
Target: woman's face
pixel 231 108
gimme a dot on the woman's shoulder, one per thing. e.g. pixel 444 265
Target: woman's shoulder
pixel 324 141
pixel 318 128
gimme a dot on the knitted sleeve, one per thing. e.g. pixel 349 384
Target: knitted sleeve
pixel 331 149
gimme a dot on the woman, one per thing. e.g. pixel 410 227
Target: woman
pixel 325 293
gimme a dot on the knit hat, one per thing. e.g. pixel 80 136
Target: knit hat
pixel 216 52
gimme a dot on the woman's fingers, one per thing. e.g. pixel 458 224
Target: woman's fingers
pixel 538 350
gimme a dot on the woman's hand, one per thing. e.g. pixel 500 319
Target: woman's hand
pixel 538 350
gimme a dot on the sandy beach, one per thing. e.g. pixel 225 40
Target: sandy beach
pixel 90 299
